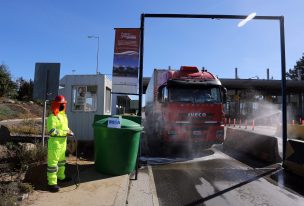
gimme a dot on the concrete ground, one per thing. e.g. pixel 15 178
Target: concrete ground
pixel 94 189
pixel 142 192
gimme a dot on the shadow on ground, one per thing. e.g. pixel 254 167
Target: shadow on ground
pixel 38 178
pixel 289 180
pixel 244 158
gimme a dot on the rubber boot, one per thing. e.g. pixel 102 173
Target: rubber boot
pixel 54 188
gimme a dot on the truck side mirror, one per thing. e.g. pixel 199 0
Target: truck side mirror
pixel 224 92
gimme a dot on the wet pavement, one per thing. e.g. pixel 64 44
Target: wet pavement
pixel 216 177
pixel 201 181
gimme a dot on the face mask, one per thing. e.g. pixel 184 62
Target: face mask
pixel 61 107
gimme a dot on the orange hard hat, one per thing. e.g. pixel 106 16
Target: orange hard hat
pixel 60 99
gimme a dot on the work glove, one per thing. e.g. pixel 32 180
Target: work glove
pixel 70 133
pixel 70 137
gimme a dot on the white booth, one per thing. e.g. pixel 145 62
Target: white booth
pixel 86 95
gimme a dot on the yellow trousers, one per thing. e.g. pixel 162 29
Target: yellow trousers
pixel 56 159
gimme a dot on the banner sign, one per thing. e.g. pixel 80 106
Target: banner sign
pixel 126 61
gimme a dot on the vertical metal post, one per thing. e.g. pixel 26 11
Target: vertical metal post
pixel 283 66
pixel 44 105
pixel 300 107
pixel 141 61
pixel 301 104
pixel 96 37
pixel 43 121
pixel 142 23
pixel 97 54
pixel 236 105
pixel 236 73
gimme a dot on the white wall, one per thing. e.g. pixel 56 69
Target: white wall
pixel 81 121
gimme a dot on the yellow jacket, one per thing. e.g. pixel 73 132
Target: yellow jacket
pixel 57 126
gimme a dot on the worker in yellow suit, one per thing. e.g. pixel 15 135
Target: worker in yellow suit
pixel 57 126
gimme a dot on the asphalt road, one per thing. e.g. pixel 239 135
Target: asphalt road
pixel 188 182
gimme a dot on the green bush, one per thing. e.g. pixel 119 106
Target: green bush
pixel 26 188
pixel 35 155
pixel 26 126
pixel 6 112
pixel 24 157
pixel 7 86
pixel 9 192
pixel 7 199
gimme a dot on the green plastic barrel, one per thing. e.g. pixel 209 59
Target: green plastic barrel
pixel 116 148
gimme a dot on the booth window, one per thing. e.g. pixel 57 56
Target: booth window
pixel 108 100
pixel 84 98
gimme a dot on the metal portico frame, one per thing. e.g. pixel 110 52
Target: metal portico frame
pixel 280 19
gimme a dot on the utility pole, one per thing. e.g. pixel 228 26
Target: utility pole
pixel 96 37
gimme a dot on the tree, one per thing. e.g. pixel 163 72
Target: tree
pixel 7 86
pixel 299 67
pixel 25 89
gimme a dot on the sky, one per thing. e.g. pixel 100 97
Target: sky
pixel 57 31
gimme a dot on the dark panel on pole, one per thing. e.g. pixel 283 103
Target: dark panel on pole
pixel 46 82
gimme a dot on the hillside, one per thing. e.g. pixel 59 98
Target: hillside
pixel 18 149
pixel 13 109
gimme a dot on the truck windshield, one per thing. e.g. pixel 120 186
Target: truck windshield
pixel 195 96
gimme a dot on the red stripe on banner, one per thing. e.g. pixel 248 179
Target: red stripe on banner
pixel 127 40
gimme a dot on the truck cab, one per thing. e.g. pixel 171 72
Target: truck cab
pixel 188 109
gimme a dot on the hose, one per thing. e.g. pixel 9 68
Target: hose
pixel 76 177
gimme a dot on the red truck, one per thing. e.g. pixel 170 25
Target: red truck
pixel 184 107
